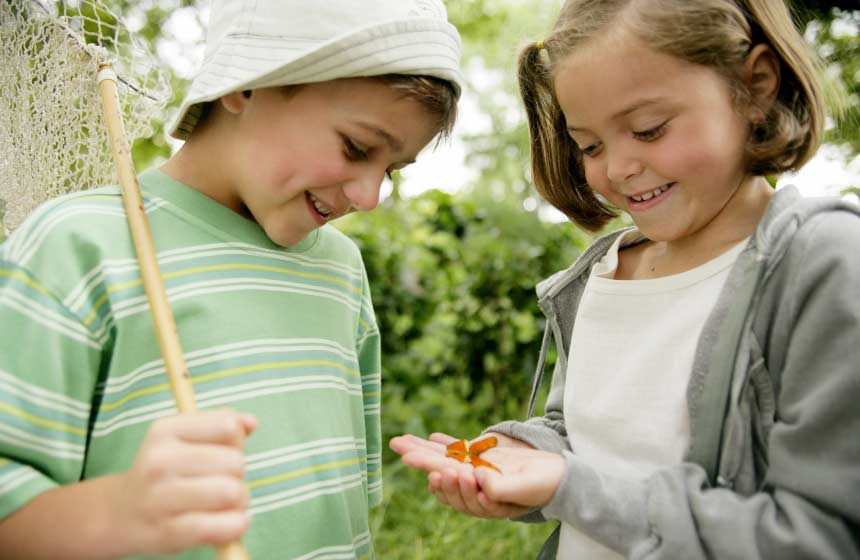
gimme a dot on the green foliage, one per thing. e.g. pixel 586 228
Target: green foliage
pixel 452 279
pixel 841 52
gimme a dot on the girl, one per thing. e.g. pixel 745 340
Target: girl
pixel 704 399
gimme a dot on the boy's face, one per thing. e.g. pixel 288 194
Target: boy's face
pixel 304 156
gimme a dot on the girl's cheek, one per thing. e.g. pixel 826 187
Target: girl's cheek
pixel 595 177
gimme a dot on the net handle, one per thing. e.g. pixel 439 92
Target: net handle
pixel 153 284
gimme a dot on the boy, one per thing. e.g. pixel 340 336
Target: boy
pixel 298 112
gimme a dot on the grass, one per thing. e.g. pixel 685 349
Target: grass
pixel 412 525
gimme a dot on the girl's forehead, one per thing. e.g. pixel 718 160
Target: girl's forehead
pixel 600 84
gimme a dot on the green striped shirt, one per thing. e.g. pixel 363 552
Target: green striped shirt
pixel 287 334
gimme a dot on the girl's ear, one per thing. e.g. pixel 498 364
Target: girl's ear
pixel 235 102
pixel 760 73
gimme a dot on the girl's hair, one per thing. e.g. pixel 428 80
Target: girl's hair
pixel 718 34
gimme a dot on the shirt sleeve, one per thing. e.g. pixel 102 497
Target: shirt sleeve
pixel 369 361
pixel 48 362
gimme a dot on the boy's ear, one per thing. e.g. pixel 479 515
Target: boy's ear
pixel 761 74
pixel 235 102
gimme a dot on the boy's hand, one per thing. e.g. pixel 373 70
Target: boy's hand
pixel 529 477
pixel 186 486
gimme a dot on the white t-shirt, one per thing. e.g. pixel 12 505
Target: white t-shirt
pixel 631 354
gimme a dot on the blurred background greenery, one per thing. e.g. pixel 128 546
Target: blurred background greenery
pixel 453 275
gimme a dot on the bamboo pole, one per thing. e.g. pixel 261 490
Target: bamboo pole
pixel 165 326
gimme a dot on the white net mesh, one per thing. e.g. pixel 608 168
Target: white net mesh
pixel 52 138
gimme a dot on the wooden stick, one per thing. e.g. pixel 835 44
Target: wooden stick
pixel 165 326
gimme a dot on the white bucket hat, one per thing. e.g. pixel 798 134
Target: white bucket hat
pixel 263 43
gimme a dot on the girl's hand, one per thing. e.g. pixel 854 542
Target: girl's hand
pixel 529 477
pixel 186 486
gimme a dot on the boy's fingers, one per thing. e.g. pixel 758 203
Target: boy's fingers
pixel 226 427
pixel 199 460
pixel 208 493
pixel 199 529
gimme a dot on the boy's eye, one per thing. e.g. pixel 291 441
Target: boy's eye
pixel 353 152
pixel 651 133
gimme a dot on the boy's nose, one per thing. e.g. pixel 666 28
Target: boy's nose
pixel 363 191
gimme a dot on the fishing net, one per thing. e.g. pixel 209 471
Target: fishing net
pixel 52 136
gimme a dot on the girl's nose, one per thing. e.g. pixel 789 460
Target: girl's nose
pixel 363 190
pixel 622 165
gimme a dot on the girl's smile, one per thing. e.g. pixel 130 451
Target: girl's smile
pixel 643 201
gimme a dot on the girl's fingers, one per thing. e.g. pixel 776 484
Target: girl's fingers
pixel 408 443
pixel 450 487
pixel 434 481
pixel 442 439
pixel 469 494
pixel 431 461
pixel 500 510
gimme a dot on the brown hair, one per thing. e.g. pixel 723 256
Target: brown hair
pixel 436 95
pixel 714 33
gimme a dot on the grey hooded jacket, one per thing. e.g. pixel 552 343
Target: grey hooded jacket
pixel 773 467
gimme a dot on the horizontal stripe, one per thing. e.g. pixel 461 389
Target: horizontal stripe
pixel 48 318
pixel 336 552
pixel 33 443
pixel 226 373
pixel 333 465
pixel 39 421
pixel 297 495
pixel 228 395
pixel 8 485
pixel 42 397
pixel 225 352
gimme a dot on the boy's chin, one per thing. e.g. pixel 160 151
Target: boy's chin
pixel 287 240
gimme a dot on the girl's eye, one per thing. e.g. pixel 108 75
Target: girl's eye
pixel 590 150
pixel 353 152
pixel 388 173
pixel 651 133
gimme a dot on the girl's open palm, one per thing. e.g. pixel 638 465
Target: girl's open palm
pixel 528 478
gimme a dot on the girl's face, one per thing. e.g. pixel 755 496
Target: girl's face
pixel 660 138
pixel 301 158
